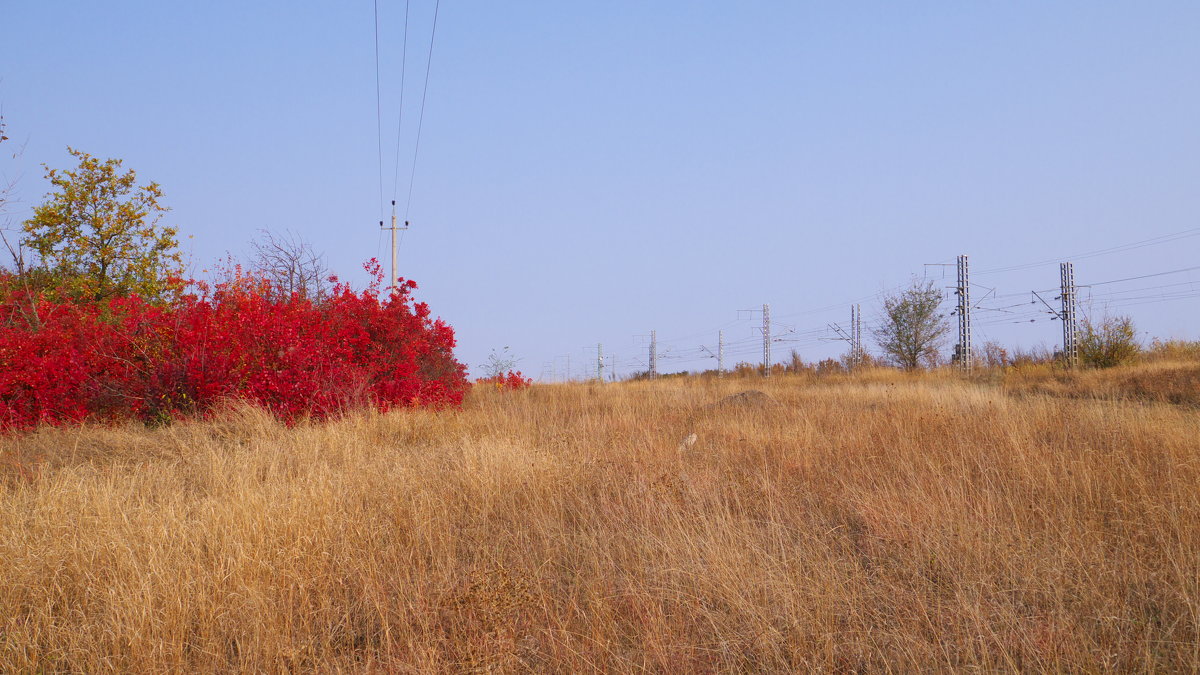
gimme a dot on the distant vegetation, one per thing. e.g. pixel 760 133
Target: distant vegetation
pixel 97 322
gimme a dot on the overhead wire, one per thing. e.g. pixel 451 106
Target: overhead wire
pixel 1152 241
pixel 421 116
pixel 1153 300
pixel 378 113
pixel 1144 276
pixel 705 331
pixel 400 117
pixel 1150 288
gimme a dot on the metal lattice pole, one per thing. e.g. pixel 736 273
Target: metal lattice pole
pixel 1070 328
pixel 720 353
pixel 653 355
pixel 600 362
pixel 1065 314
pixel 766 331
pixel 859 352
pixel 963 290
pixel 1074 315
pixel 854 337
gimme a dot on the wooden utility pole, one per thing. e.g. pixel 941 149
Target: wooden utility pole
pixel 394 281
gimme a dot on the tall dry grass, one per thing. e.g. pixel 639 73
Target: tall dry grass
pixel 889 522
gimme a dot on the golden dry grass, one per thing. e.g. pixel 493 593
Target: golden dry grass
pixel 888 522
pixel 1153 381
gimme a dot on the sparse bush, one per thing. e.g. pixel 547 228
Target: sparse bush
pixel 1108 342
pixel 830 367
pixel 993 355
pixel 512 380
pixel 747 369
pixel 864 361
pixel 1036 356
pixel 1173 350
pixel 645 375
pixel 795 363
pixel 499 363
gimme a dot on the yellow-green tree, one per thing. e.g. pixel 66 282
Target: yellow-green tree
pixel 1108 341
pixel 913 326
pixel 97 235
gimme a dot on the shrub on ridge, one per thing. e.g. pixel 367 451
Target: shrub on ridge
pixel 64 362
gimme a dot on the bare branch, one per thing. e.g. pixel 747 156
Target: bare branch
pixel 290 264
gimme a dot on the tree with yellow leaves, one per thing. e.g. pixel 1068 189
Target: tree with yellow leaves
pixel 98 235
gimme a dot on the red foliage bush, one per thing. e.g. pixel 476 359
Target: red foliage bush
pixel 64 362
pixel 513 379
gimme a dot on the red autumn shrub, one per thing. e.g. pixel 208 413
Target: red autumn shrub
pixel 513 379
pixel 64 362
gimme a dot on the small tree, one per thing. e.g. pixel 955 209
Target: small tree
pixel 291 265
pixel 852 361
pixel 98 236
pixel 499 363
pixel 7 186
pixel 1109 342
pixel 913 327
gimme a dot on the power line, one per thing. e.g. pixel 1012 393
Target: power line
pixel 1150 300
pixel 400 120
pixel 1097 283
pixel 1152 241
pixel 705 331
pixel 421 117
pixel 1146 276
pixel 841 305
pixel 1147 288
pixel 378 113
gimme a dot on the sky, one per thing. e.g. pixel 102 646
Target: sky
pixel 589 172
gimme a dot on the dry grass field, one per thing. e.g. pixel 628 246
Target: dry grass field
pixel 1034 522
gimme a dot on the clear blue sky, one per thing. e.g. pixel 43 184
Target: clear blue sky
pixel 591 171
